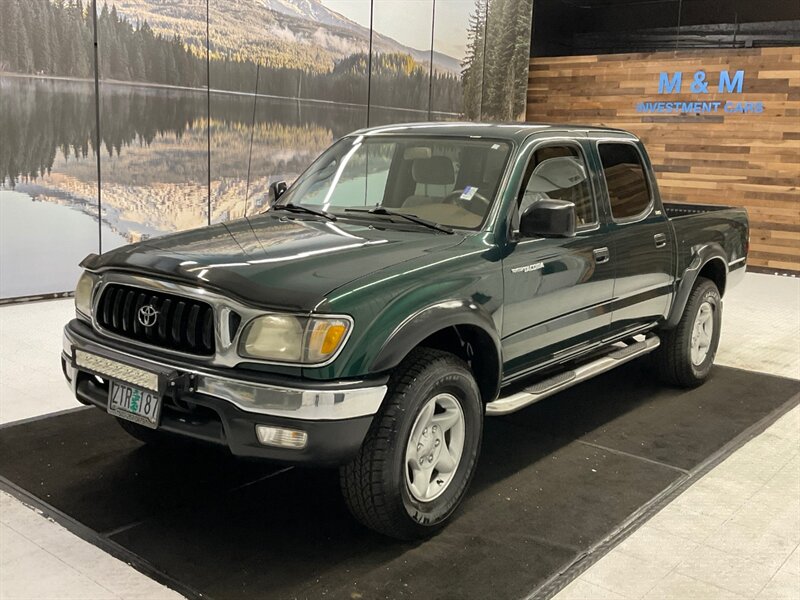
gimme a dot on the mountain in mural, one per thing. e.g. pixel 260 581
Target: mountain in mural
pixel 302 34
pixel 308 9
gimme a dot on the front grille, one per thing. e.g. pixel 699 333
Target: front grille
pixel 180 323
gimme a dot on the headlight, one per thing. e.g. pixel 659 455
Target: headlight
pixel 83 294
pixel 286 338
pixel 275 337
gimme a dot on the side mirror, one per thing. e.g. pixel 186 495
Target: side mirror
pixel 548 218
pixel 276 190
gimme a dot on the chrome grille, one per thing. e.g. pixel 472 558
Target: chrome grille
pixel 180 323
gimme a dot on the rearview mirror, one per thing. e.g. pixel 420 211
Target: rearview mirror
pixel 276 190
pixel 548 218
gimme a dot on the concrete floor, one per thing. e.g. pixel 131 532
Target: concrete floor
pixel 734 534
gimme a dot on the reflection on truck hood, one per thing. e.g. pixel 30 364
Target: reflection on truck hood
pixel 272 261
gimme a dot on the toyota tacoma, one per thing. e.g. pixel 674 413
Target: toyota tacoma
pixel 414 280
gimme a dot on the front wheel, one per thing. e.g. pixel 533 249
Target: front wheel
pixel 687 352
pixel 419 456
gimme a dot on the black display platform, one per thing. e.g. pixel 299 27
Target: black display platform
pixel 557 483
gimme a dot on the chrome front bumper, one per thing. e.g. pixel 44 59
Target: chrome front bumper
pixel 229 406
pixel 350 400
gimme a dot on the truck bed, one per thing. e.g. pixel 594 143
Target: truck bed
pixel 675 209
pixel 698 225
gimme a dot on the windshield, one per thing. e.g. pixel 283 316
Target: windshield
pixel 448 181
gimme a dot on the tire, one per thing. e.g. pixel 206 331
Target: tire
pixel 675 360
pixel 377 485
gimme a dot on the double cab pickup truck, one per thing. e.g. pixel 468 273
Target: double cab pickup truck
pixel 414 280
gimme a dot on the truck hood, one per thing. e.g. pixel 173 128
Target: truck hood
pixel 274 262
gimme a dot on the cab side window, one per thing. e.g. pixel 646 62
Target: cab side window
pixel 559 173
pixel 628 192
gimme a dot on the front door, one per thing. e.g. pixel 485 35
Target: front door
pixel 557 290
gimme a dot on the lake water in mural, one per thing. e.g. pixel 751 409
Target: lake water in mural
pixel 43 242
pixel 154 166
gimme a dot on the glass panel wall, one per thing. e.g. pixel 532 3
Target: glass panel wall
pixel 286 80
pixel 401 61
pixel 506 57
pixel 284 85
pixel 48 173
pixel 458 30
pixel 153 119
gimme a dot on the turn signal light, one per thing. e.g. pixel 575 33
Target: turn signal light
pixel 281 437
pixel 332 338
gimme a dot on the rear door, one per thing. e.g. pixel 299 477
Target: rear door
pixel 643 240
pixel 557 290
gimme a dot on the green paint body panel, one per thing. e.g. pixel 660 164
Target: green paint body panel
pixel 399 282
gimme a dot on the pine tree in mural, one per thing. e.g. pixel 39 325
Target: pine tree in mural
pixel 495 74
pixel 55 38
pixel 472 72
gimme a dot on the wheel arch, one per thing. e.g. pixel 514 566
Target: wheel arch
pixel 716 270
pixel 709 262
pixel 459 327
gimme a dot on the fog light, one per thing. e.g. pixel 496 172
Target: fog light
pixel 281 437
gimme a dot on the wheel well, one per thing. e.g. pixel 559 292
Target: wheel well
pixel 715 271
pixel 475 347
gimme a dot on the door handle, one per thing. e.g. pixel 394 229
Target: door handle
pixel 601 255
pixel 660 240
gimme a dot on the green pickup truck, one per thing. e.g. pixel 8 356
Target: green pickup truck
pixel 414 280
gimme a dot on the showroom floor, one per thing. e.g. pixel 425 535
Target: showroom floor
pixel 735 533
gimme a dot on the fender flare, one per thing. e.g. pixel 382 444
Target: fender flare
pixel 426 321
pixel 701 257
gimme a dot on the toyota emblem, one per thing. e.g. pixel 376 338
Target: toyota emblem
pixel 148 315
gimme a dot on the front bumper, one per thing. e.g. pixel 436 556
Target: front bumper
pixel 224 406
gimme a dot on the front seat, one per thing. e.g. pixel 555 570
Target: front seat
pixel 435 171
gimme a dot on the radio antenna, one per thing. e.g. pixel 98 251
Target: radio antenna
pixel 252 134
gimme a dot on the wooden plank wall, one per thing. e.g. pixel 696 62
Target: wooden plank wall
pixel 750 160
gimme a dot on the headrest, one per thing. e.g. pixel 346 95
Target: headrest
pixel 436 170
pixel 556 173
pixel 416 152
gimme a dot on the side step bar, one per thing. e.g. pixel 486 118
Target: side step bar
pixel 562 381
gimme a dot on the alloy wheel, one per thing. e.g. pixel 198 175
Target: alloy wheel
pixel 435 447
pixel 702 333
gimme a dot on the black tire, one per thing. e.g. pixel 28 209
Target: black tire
pixel 673 358
pixel 374 483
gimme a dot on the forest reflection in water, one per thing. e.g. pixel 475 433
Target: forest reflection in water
pixel 154 140
pixel 154 155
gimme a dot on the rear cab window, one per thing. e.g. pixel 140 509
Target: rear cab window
pixel 629 192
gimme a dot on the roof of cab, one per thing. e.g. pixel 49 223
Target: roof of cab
pixel 515 131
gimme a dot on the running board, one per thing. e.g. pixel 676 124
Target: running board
pixel 566 379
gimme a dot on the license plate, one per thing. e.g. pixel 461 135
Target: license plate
pixel 134 404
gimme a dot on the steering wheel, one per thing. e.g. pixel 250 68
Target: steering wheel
pixel 481 208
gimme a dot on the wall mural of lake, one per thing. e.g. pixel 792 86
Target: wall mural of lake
pixel 287 77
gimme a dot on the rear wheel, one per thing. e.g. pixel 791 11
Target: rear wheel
pixel 687 352
pixel 419 456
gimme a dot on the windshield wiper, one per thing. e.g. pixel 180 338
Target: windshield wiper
pixel 382 210
pixel 304 209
